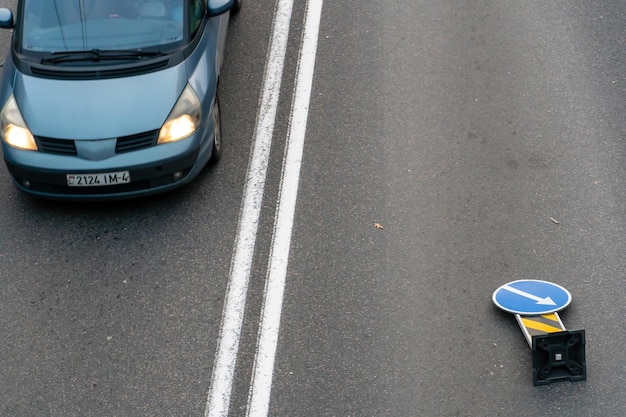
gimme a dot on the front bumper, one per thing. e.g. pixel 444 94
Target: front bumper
pixel 153 170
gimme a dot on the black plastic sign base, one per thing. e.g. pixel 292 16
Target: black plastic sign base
pixel 559 356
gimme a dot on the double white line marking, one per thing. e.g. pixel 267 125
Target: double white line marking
pixel 234 305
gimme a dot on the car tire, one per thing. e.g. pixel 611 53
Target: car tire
pixel 216 152
pixel 236 7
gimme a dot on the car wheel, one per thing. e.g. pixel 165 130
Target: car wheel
pixel 216 153
pixel 236 6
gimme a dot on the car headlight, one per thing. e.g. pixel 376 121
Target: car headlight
pixel 13 128
pixel 184 119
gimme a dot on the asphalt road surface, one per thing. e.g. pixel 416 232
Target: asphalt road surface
pixel 450 147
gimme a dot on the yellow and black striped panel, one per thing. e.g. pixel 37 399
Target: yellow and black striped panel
pixel 538 325
pixel 547 323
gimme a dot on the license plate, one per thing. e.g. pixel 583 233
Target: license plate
pixel 98 180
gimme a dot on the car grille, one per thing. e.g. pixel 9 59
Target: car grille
pixel 124 143
pixel 57 146
pixel 136 142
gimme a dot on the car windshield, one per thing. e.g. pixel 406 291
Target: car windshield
pixel 84 25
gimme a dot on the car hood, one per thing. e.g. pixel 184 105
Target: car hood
pixel 97 109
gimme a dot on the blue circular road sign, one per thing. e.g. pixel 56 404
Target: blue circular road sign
pixel 531 297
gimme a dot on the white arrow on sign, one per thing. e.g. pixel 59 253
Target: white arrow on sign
pixel 540 301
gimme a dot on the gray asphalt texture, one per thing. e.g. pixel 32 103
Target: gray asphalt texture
pixel 460 127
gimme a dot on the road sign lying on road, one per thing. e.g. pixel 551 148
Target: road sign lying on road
pixel 557 354
pixel 531 297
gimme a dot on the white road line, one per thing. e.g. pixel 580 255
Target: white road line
pixel 218 400
pixel 261 384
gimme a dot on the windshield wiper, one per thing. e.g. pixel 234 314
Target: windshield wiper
pixel 99 55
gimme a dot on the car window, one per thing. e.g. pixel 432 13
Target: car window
pixel 67 25
pixel 196 12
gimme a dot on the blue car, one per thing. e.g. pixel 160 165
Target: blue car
pixel 111 99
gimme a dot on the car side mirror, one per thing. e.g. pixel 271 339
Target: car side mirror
pixel 6 18
pixel 218 7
